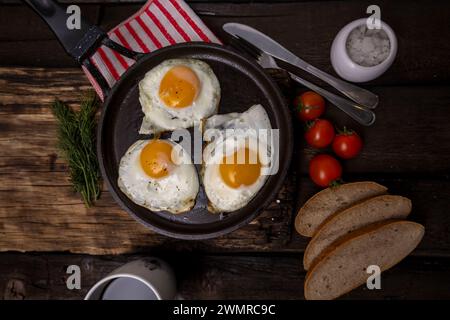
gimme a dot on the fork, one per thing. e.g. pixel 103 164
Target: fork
pixel 359 113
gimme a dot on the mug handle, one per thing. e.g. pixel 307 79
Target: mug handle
pixel 80 43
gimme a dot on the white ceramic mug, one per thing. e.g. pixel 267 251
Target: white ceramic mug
pixel 143 279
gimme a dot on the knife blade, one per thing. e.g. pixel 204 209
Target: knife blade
pixel 262 42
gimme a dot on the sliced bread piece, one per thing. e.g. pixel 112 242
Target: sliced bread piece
pixel 343 268
pixel 331 200
pixel 373 210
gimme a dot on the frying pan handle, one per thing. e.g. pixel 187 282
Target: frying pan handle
pixel 78 41
pixel 81 41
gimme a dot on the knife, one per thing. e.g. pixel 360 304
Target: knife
pixel 273 48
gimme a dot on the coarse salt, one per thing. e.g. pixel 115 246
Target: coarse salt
pixel 367 47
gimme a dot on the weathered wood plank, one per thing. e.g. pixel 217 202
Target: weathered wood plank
pixel 46 215
pixel 39 211
pixel 43 276
pixel 409 136
pixel 307 28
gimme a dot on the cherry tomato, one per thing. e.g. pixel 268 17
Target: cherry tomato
pixel 347 144
pixel 320 133
pixel 309 106
pixel 324 170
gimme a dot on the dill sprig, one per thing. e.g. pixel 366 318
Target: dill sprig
pixel 76 141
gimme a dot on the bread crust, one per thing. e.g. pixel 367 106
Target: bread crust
pixel 358 234
pixel 328 223
pixel 303 223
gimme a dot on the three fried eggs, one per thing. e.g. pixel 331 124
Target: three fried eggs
pixel 159 174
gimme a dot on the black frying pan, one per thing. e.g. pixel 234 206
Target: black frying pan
pixel 243 83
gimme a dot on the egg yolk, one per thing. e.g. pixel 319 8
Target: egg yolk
pixel 179 87
pixel 156 158
pixel 236 174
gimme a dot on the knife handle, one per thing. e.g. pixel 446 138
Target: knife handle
pixel 362 115
pixel 361 96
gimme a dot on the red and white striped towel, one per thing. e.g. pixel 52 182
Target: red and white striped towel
pixel 157 24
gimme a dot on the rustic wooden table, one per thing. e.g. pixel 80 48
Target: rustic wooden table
pixel 44 227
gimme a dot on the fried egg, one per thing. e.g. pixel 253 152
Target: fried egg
pixel 178 93
pixel 159 175
pixel 237 160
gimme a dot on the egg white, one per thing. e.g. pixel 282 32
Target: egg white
pixel 159 117
pixel 175 192
pixel 223 198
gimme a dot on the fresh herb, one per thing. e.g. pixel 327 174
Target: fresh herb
pixel 76 141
